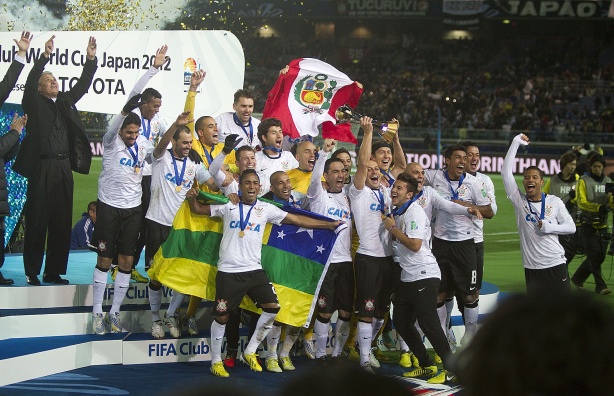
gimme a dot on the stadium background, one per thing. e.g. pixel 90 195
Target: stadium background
pixel 478 70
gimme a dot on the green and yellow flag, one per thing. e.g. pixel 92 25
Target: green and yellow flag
pixel 293 258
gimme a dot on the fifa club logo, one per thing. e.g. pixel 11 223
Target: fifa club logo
pixel 190 65
pixel 258 211
pixel 314 93
pixel 548 210
pixel 462 191
pixel 422 202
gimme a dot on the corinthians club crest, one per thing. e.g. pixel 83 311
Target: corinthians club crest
pixel 314 93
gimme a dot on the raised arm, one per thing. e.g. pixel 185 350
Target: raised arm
pixel 30 91
pixel 315 184
pixel 113 128
pixel 14 70
pixel 159 60
pixel 364 153
pixel 308 222
pixel 87 75
pixel 190 99
pixel 400 161
pixel 182 120
pixel 508 164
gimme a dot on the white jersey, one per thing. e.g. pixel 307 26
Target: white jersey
pixel 152 129
pixel 374 239
pixel 447 226
pixel 266 166
pixel 226 125
pixel 429 200
pixel 165 199
pixel 242 254
pixel 421 264
pixel 490 193
pixel 540 247
pixel 333 205
pixel 119 184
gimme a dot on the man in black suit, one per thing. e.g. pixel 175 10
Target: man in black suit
pixel 9 142
pixel 55 144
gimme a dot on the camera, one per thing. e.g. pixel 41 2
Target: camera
pixel 609 188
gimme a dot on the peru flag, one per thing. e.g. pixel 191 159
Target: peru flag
pixel 308 95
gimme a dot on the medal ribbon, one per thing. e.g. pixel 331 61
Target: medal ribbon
pixel 178 177
pixel 538 216
pixel 146 131
pixel 135 154
pixel 243 223
pixel 250 135
pixel 460 183
pixel 380 197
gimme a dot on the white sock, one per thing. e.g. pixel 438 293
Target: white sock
pixel 155 301
pixel 217 337
pixel 264 325
pixel 449 304
pixel 402 344
pixel 320 329
pixel 99 284
pixel 272 340
pixel 120 288
pixel 342 331
pixel 364 341
pixel 443 318
pixel 471 320
pixel 175 303
pixel 376 324
pixel 291 336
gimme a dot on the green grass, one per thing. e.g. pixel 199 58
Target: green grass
pixel 503 264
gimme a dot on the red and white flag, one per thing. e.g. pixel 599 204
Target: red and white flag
pixel 308 95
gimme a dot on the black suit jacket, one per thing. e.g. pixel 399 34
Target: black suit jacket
pixel 40 116
pixel 9 142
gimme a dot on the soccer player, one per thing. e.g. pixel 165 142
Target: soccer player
pixel 453 235
pixel 389 165
pixel 300 177
pixel 337 289
pixel 239 270
pixel 272 158
pixel 540 218
pixel 373 265
pixel 172 177
pixel 118 210
pixel 240 121
pixel 594 206
pixel 563 185
pixel 416 295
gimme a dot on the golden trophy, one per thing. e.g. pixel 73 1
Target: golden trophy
pixel 345 114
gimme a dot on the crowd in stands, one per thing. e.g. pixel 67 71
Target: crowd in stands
pixel 554 89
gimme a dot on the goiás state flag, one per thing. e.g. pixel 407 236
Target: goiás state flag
pixel 308 95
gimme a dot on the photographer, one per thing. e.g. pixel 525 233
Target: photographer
pixel 594 196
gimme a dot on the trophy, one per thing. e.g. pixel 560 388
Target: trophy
pixel 345 114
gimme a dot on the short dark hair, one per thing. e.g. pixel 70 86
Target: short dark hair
pixel 263 127
pixel 199 124
pixel 242 149
pixel 567 158
pixel 244 93
pixel 412 183
pixel 340 151
pixel 92 206
pixel 149 94
pixel 469 143
pixel 330 161
pixel 247 172
pixel 180 129
pixel 533 167
pixel 378 145
pixel 131 119
pixel 597 158
pixel 450 149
